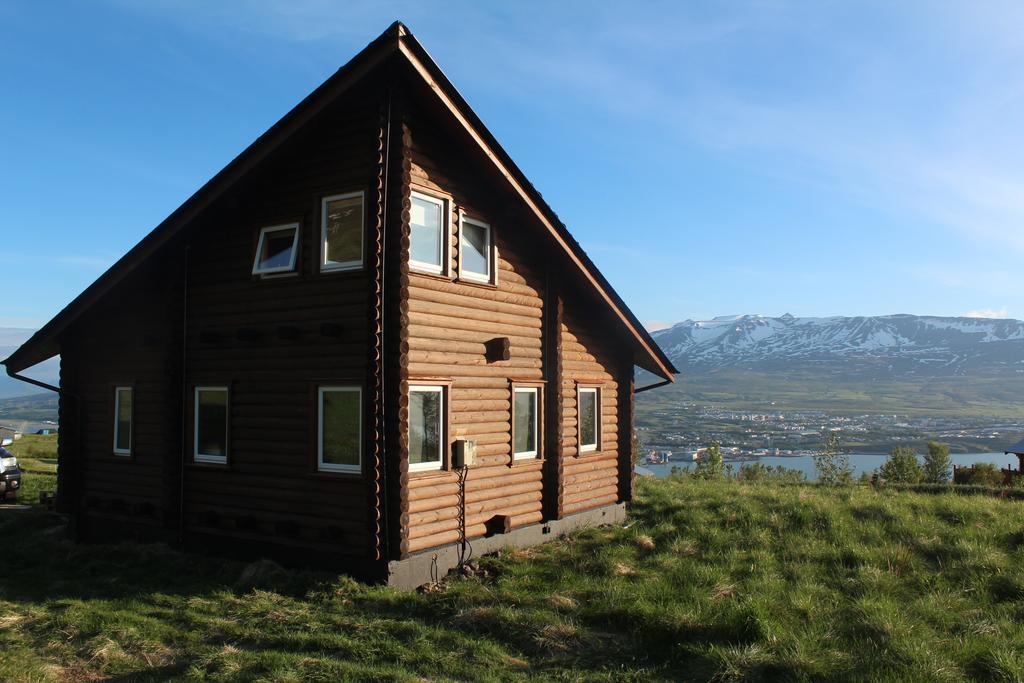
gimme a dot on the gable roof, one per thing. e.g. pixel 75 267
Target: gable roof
pixel 396 40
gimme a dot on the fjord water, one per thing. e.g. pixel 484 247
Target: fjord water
pixel 860 462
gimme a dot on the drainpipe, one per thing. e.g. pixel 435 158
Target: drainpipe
pixel 35 382
pixel 652 386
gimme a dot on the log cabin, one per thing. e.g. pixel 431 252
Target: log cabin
pixel 367 343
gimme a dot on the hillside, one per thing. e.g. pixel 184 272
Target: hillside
pixel 899 363
pixel 33 408
pixel 709 581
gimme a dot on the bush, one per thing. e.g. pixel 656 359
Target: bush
pixel 901 467
pixel 711 466
pixel 979 474
pixel 832 465
pixel 937 464
pixel 758 472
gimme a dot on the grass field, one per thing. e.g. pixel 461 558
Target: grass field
pixel 721 581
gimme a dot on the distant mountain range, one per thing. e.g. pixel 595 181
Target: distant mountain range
pixel 905 363
pixel 890 345
pixel 892 363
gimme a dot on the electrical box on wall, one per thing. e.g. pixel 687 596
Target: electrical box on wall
pixel 464 453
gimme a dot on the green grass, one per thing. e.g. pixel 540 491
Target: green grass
pixel 717 581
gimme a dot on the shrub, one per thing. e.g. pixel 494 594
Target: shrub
pixel 979 474
pixel 937 464
pixel 758 472
pixel 711 466
pixel 832 465
pixel 901 467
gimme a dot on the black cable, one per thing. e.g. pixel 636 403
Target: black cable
pixel 463 472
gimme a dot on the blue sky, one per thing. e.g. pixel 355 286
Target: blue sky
pixel 818 158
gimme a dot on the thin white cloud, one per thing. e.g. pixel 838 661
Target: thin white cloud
pixel 655 325
pixel 927 135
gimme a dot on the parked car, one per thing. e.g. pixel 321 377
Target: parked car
pixel 10 473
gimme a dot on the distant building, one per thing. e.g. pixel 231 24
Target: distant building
pixel 9 433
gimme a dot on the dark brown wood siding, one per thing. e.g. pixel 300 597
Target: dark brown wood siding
pixel 128 340
pixel 274 341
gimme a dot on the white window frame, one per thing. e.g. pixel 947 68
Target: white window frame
pixel 536 422
pixel 117 421
pixel 339 266
pixel 206 457
pixel 438 389
pixel 464 274
pixel 322 466
pixel 596 391
pixel 277 270
pixel 423 266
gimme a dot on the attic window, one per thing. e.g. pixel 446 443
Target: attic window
pixel 341 233
pixel 428 242
pixel 277 250
pixel 474 250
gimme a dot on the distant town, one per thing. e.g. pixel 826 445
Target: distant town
pixel 684 428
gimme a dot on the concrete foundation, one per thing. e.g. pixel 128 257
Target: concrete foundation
pixel 434 564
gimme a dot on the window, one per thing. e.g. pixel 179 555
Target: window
pixel 211 423
pixel 342 232
pixel 340 438
pixel 428 244
pixel 123 421
pixel 589 409
pixel 426 427
pixel 525 432
pixel 277 250
pixel 475 250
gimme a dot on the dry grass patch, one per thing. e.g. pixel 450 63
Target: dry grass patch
pixel 623 569
pixel 562 601
pixel 722 591
pixel 644 542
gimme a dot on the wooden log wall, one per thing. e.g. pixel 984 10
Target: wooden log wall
pixel 450 325
pixel 590 355
pixel 104 350
pixel 67 496
pixel 265 339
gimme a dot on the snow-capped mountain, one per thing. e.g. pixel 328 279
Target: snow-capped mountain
pixel 891 344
